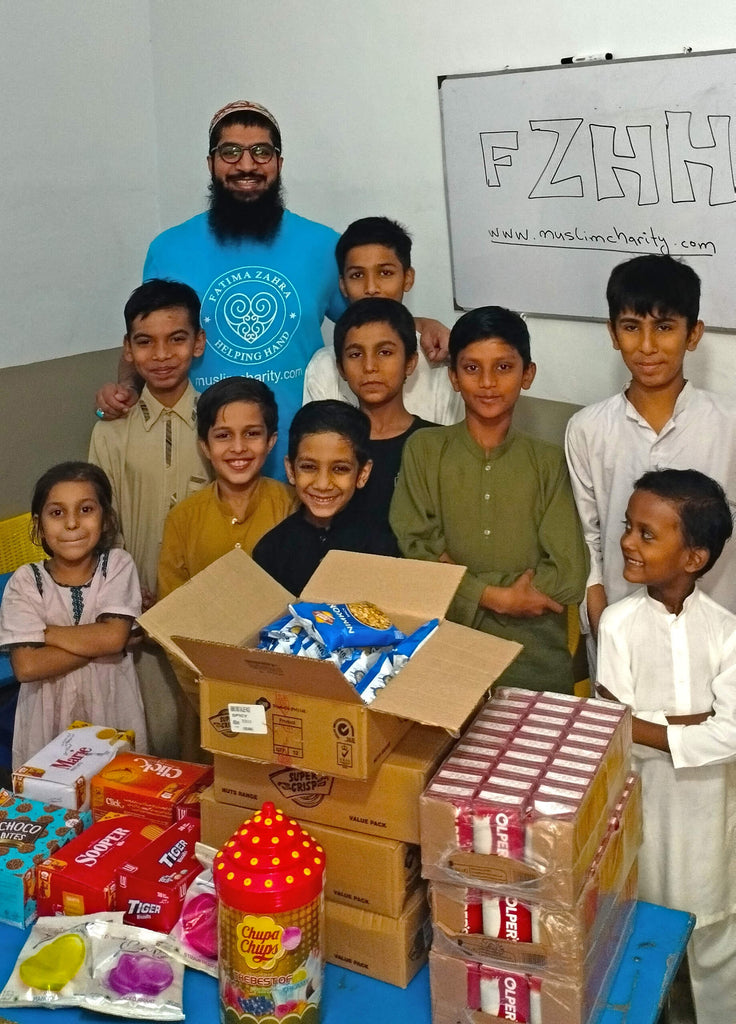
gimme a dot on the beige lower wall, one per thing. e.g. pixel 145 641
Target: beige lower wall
pixel 47 417
pixel 48 414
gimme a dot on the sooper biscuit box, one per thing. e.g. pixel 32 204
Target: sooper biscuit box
pixel 296 711
pixel 29 833
pixel 148 786
pixel 60 773
pixel 81 878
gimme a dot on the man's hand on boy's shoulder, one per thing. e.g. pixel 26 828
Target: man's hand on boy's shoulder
pixel 433 337
pixel 521 599
pixel 115 400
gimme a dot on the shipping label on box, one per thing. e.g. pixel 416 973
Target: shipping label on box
pixel 314 718
pixel 362 871
pixel 387 805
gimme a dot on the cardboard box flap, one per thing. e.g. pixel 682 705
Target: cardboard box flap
pixel 446 679
pixel 245 665
pixel 419 589
pixel 247 598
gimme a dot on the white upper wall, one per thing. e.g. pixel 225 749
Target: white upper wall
pixel 354 87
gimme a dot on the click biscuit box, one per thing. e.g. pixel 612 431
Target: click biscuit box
pixel 30 831
pixel 152 884
pixel 60 773
pixel 148 786
pixel 81 878
pixel 273 707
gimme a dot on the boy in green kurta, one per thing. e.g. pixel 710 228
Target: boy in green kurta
pixel 483 495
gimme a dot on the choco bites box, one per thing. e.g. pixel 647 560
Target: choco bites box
pixel 81 878
pixel 152 884
pixel 30 831
pixel 491 825
pixel 301 712
pixel 496 928
pixel 147 786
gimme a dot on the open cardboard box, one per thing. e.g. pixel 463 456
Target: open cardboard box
pixel 295 711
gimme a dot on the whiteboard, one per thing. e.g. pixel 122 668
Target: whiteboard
pixel 555 175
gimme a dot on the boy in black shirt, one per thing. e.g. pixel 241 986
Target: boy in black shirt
pixel 376 351
pixel 328 464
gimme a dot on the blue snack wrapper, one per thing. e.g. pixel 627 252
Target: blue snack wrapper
pixel 359 624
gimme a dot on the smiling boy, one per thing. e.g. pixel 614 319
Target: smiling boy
pixel 669 652
pixel 658 421
pixel 328 462
pixel 237 423
pixel 482 495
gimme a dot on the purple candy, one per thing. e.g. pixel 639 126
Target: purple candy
pixel 199 924
pixel 140 974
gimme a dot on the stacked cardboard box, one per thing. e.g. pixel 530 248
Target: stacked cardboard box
pixel 530 831
pixel 293 731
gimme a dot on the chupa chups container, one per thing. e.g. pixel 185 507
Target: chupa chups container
pixel 269 878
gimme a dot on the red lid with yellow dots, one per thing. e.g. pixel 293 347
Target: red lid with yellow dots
pixel 269 864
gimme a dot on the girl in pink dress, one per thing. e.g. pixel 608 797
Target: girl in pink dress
pixel 66 621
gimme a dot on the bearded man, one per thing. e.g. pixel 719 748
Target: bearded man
pixel 266 277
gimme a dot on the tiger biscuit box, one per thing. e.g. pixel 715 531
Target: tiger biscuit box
pixel 148 786
pixel 152 884
pixel 30 832
pixel 81 878
pixel 60 773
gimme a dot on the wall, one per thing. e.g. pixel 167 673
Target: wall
pixel 105 108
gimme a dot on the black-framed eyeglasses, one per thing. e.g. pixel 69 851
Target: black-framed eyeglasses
pixel 260 152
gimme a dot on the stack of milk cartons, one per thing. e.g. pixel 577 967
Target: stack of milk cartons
pixel 530 833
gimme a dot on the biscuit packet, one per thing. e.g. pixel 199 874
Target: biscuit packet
pixel 193 939
pixel 358 624
pixel 383 670
pixel 133 975
pixel 54 967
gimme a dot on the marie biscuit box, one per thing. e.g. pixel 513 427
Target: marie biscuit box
pixel 148 786
pixel 30 831
pixel 60 773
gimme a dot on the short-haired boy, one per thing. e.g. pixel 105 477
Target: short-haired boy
pixel 237 422
pixel 658 420
pixel 669 651
pixel 374 261
pixel 152 457
pixel 482 495
pixel 153 461
pixel 328 462
pixel 376 351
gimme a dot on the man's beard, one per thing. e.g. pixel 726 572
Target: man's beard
pixel 233 220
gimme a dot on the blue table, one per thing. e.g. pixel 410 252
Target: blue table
pixel 648 966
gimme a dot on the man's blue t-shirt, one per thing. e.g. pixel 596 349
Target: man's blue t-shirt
pixel 263 304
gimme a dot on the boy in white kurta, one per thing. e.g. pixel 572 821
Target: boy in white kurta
pixel 669 651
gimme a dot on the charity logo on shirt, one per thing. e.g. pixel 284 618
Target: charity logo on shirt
pixel 250 314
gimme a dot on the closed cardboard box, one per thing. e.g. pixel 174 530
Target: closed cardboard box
pixel 388 949
pixel 362 871
pixel 295 711
pixel 387 805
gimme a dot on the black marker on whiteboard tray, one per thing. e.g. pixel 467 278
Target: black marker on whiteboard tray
pixel 585 60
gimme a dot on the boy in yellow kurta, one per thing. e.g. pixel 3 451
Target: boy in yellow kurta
pixel 483 495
